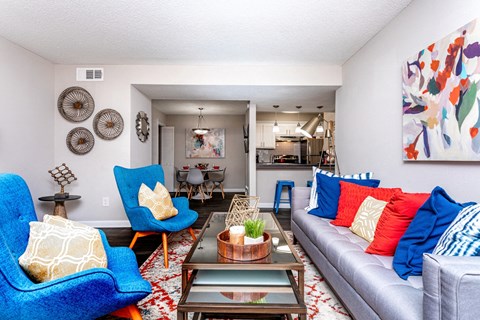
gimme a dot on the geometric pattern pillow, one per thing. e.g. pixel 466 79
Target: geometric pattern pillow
pixel 462 238
pixel 54 252
pixel 158 201
pixel 65 223
pixel 352 196
pixel 367 217
pixel 313 202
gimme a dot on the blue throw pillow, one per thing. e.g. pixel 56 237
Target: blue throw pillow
pixel 328 192
pixel 423 233
pixel 462 237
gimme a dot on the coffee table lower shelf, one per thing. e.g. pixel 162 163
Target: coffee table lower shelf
pixel 241 294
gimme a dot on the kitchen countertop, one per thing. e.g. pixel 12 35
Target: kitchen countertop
pixel 288 166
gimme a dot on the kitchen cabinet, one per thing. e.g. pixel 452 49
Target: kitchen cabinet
pixel 265 136
pixel 287 129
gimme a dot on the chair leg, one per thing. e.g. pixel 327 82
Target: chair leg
pixel 130 312
pixel 165 248
pixel 223 193
pixel 140 234
pixel 190 230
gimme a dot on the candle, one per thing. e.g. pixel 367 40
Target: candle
pixel 236 234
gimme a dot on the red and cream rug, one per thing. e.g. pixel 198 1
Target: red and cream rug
pixel 166 284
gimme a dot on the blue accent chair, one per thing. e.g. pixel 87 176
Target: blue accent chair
pixel 84 295
pixel 141 218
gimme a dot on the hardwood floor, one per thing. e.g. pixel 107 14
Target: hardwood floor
pixel 145 246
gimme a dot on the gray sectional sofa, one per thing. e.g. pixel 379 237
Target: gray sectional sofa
pixel 367 285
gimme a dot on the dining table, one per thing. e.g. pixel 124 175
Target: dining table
pixel 205 172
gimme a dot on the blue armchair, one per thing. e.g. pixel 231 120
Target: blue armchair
pixel 84 295
pixel 141 218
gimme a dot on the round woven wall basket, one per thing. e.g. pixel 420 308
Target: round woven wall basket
pixel 75 104
pixel 80 140
pixel 108 124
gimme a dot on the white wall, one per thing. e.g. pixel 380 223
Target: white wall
pixel 26 119
pixel 369 105
pixel 141 152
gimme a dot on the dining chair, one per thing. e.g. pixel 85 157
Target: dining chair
pixel 217 181
pixel 141 218
pixel 181 177
pixel 195 181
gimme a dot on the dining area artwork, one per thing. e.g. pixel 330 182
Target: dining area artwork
pixel 208 145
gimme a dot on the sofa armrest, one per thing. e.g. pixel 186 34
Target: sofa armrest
pixel 451 287
pixel 300 198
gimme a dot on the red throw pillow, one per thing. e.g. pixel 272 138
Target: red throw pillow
pixel 394 221
pixel 352 196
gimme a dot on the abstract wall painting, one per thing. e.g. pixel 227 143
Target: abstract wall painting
pixel 209 145
pixel 441 104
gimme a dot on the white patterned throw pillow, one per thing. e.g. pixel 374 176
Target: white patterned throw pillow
pixel 158 201
pixel 462 238
pixel 313 203
pixel 65 223
pixel 367 217
pixel 54 252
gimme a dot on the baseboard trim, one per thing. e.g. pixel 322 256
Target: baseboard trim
pixel 108 223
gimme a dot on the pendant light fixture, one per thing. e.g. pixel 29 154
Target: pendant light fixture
pixel 201 127
pixel 276 128
pixel 298 129
pixel 320 126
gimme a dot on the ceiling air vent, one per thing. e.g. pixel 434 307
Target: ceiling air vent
pixel 89 74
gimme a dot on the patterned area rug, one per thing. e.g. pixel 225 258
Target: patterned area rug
pixel 166 284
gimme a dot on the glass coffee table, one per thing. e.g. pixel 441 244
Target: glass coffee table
pixel 216 287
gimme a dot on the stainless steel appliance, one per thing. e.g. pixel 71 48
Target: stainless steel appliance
pixel 311 151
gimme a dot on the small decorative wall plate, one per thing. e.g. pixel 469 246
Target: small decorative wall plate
pixel 80 140
pixel 75 104
pixel 108 124
pixel 142 126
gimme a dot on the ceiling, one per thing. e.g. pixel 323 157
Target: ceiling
pixel 267 32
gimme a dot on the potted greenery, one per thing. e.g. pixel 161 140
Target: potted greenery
pixel 254 231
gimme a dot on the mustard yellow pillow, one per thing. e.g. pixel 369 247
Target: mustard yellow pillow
pixel 54 252
pixel 65 223
pixel 367 217
pixel 158 201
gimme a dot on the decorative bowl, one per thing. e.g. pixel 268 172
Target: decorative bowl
pixel 186 167
pixel 216 167
pixel 202 166
pixel 247 252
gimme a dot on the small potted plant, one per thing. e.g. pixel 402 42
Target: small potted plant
pixel 254 231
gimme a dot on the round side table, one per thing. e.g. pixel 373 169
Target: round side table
pixel 59 209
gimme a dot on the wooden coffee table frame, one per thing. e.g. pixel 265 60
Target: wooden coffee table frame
pixel 239 309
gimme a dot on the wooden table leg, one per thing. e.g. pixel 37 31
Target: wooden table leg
pixel 59 209
pixel 184 280
pixel 301 283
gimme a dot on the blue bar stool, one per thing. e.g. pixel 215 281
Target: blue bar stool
pixel 278 193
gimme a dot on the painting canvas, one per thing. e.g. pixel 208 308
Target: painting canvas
pixel 440 99
pixel 209 145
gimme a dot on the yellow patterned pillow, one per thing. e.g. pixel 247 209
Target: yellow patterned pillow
pixel 54 252
pixel 65 223
pixel 367 217
pixel 158 201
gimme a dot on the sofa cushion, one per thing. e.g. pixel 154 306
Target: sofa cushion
pixel 367 217
pixel 352 196
pixel 54 252
pixel 158 201
pixel 423 233
pixel 394 221
pixel 328 192
pixel 313 191
pixel 462 238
